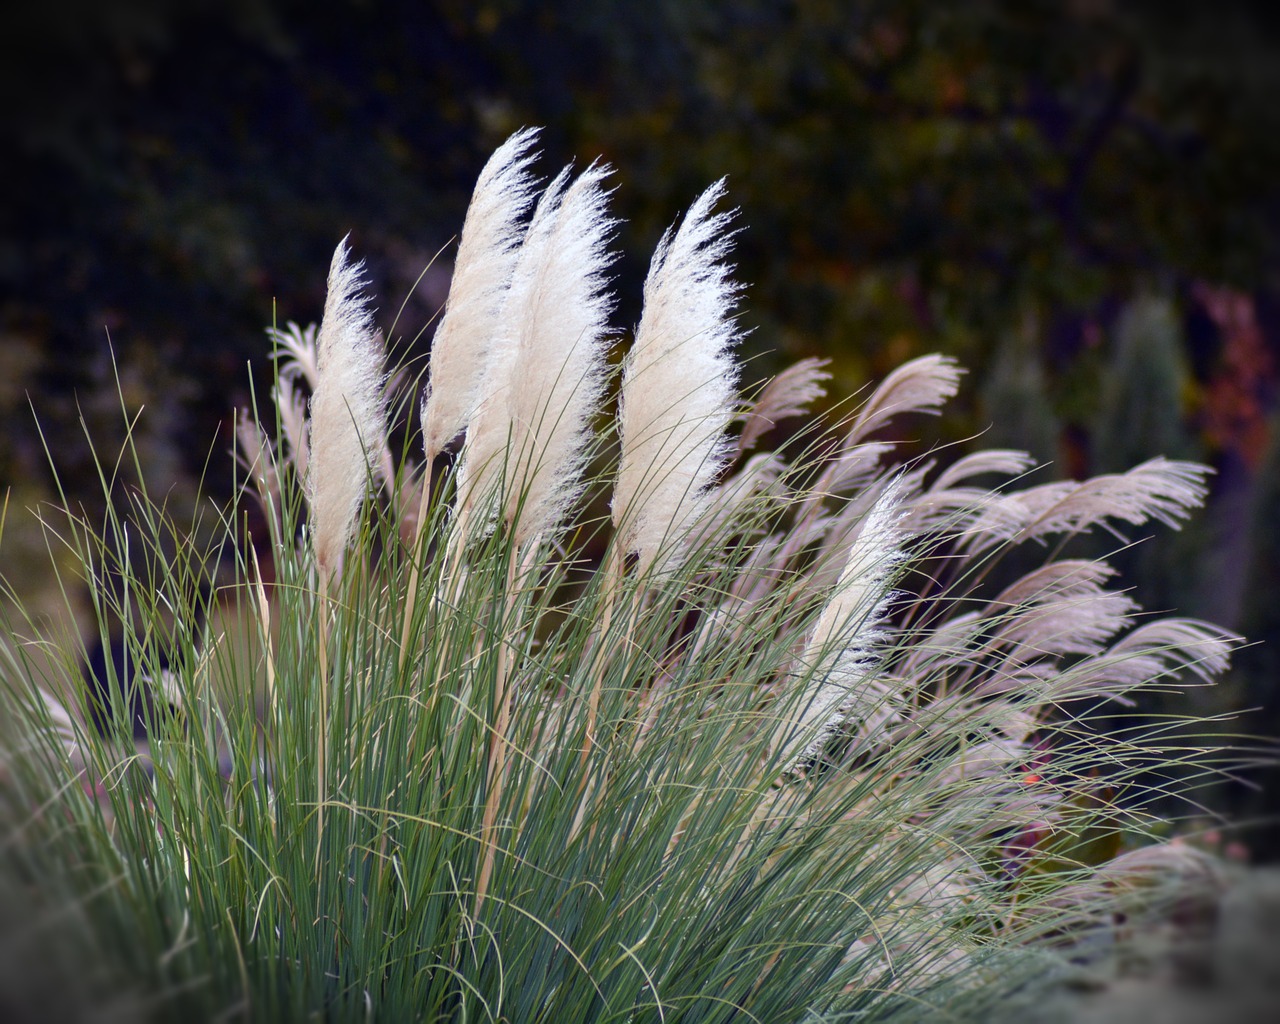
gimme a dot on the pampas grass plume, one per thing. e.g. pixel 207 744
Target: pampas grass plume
pixel 487 255
pixel 678 388
pixel 561 354
pixel 844 646
pixel 547 365
pixel 347 412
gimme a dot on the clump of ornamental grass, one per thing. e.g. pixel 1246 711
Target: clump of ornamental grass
pixel 771 736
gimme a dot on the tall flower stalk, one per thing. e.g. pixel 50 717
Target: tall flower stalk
pixel 347 424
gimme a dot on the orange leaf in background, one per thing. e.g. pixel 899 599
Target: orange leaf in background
pixel 1235 410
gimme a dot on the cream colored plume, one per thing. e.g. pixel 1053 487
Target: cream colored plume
pixel 922 385
pixel 547 367
pixel 296 351
pixel 487 254
pixel 347 413
pixel 789 394
pixel 843 649
pixel 1159 489
pixel 678 389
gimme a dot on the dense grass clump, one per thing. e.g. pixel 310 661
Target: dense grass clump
pixel 589 722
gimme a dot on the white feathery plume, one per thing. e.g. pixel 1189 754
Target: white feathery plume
pixel 853 468
pixel 678 389
pixel 347 413
pixel 1073 615
pixel 292 406
pixel 946 503
pixel 1005 461
pixel 846 640
pixel 561 357
pixel 922 385
pixel 861 592
pixel 1158 489
pixel 1184 644
pixel 486 453
pixel 1066 578
pixel 487 253
pixel 547 365
pixel 1156 652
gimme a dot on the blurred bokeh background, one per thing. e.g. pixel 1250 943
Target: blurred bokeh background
pixel 1079 199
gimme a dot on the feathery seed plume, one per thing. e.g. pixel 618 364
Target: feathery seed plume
pixel 1160 489
pixel 547 365
pixel 562 311
pixel 678 388
pixel 292 405
pixel 486 453
pixel 922 385
pixel 347 412
pixel 296 350
pixel 789 394
pixel 486 259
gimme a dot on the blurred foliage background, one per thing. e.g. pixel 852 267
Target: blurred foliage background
pixel 1077 198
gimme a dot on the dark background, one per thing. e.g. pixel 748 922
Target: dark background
pixel 1079 199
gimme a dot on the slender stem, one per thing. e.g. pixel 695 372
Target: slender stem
pixel 415 556
pixel 497 769
pixel 613 569
pixel 612 581
pixel 322 696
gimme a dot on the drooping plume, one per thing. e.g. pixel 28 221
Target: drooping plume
pixel 678 388
pixel 487 254
pixel 789 394
pixel 548 363
pixel 922 385
pixel 347 412
pixel 1159 489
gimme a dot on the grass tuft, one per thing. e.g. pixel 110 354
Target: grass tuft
pixel 790 745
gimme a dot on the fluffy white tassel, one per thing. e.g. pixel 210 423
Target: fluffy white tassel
pixel 347 412
pixel 561 358
pixel 487 254
pixel 548 364
pixel 678 389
